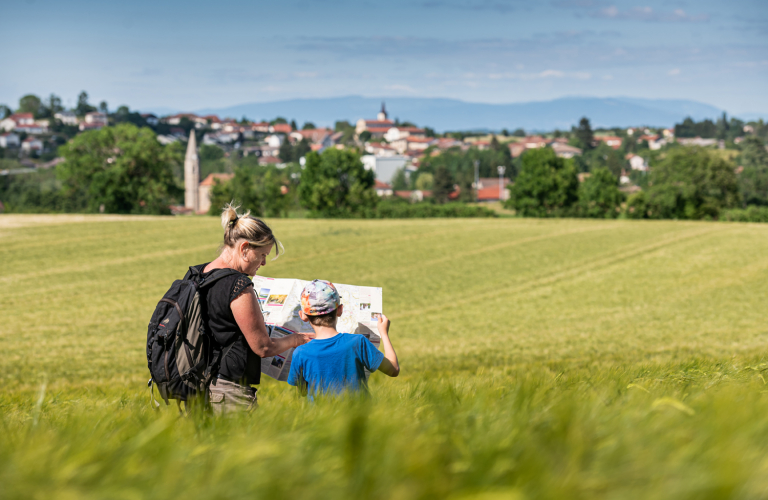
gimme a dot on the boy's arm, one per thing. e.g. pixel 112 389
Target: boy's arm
pixel 389 365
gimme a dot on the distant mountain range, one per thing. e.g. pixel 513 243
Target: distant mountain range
pixel 453 114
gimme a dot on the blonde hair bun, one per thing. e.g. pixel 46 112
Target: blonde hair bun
pixel 244 227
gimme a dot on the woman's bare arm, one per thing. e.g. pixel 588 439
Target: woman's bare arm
pixel 247 313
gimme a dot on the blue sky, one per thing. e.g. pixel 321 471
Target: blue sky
pixel 191 55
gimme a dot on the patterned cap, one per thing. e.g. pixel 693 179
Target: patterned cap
pixel 319 297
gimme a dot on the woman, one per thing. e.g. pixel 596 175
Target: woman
pixel 233 314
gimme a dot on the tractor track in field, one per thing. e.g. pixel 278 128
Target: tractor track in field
pixel 48 273
pixel 505 245
pixel 579 271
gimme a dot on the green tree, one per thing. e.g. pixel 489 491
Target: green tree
pixel 400 180
pixel 335 184
pixel 242 189
pixel 83 107
pixel 547 186
pixel 104 107
pixel 599 195
pixel 285 153
pixel 275 202
pixel 308 126
pixel 365 136
pixel 209 152
pixel 30 103
pixel 753 180
pixel 293 125
pixel 301 149
pixel 425 182
pixel 5 111
pixel 442 184
pixel 691 183
pixel 123 167
pixel 583 133
pixel 518 133
pixel 51 106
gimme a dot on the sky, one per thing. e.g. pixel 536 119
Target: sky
pixel 192 54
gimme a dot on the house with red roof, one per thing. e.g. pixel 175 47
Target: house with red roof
pixel 262 127
pixel 490 189
pixel 17 120
pixel 383 189
pixel 314 136
pixel 610 140
pixel 281 128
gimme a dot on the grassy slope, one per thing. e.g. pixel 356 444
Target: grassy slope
pixel 541 359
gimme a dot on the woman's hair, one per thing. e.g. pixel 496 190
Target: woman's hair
pixel 244 227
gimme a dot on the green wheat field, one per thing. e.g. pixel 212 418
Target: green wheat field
pixel 541 359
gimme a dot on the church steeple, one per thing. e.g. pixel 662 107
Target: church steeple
pixel 382 116
pixel 191 175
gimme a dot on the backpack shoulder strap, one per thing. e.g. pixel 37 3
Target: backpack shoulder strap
pixel 193 273
pixel 216 276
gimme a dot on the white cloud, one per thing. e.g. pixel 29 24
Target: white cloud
pixel 648 14
pixel 400 88
pixel 551 73
pixel 674 72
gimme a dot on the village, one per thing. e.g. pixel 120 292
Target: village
pixel 388 148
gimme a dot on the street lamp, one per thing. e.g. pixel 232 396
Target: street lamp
pixel 501 169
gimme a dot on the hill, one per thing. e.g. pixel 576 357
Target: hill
pixel 541 359
pixel 453 114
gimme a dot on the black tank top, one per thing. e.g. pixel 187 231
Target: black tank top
pixel 241 364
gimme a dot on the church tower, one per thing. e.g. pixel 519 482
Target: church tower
pixel 382 116
pixel 191 175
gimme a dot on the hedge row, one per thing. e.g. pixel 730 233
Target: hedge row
pixel 401 210
pixel 752 213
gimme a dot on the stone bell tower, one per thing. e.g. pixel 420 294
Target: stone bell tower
pixel 191 175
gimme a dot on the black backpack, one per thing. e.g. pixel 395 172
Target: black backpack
pixel 179 345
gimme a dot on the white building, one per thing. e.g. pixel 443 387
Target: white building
pixel 9 140
pixel 637 162
pixel 31 144
pixel 18 120
pixel 96 118
pixel 384 166
pixel 565 151
pixel 275 140
pixel 67 117
pixel 697 141
pixel 151 119
pixel 397 133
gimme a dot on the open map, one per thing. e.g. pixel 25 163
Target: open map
pixel 280 300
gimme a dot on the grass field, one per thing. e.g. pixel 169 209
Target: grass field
pixel 540 358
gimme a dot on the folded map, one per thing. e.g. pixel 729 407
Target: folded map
pixel 280 300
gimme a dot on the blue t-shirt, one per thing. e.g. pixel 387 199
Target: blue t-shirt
pixel 334 365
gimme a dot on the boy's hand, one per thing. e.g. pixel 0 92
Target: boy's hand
pixel 383 323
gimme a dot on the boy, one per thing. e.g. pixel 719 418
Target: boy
pixel 334 362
